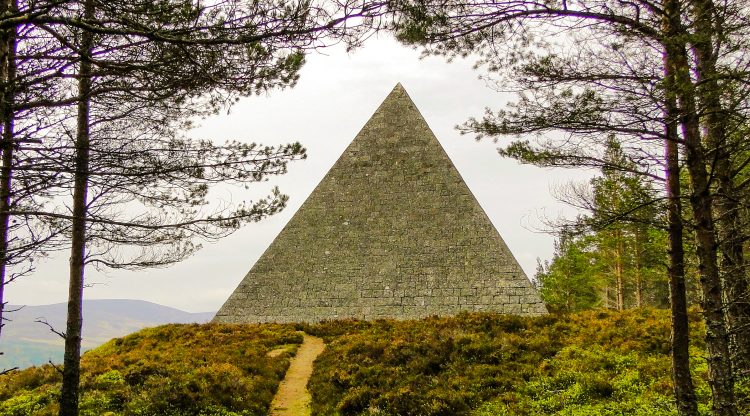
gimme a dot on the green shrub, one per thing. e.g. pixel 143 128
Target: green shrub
pixel 26 403
pixel 587 363
pixel 171 370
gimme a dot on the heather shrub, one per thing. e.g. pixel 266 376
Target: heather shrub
pixel 586 363
pixel 171 370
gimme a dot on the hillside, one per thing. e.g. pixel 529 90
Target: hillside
pixel 26 342
pixel 588 363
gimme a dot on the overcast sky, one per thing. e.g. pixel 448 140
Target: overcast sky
pixel 336 95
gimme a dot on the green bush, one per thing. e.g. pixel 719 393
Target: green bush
pixel 171 370
pixel 587 363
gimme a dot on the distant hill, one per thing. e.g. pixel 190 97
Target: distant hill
pixel 26 342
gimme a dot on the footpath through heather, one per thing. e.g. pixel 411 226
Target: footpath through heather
pixel 292 398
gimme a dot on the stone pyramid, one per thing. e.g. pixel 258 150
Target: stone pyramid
pixel 392 231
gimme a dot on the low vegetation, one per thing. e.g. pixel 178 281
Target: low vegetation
pixel 586 363
pixel 171 370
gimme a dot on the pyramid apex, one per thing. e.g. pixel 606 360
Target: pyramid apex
pixel 397 104
pixel 398 91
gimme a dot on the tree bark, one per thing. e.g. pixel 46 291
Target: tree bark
pixel 734 272
pixel 72 358
pixel 618 271
pixel 717 339
pixel 730 228
pixel 607 302
pixel 684 392
pixel 638 269
pixel 720 369
pixel 7 78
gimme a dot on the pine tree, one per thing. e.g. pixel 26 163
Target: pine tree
pixel 571 281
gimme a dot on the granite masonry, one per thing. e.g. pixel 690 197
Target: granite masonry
pixel 392 231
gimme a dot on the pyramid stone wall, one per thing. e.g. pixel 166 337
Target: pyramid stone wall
pixel 391 231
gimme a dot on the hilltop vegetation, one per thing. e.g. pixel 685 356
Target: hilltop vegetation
pixel 584 363
pixel 171 370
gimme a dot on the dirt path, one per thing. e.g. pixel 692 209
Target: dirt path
pixel 293 399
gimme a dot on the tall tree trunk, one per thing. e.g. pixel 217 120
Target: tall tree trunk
pixel 720 369
pixel 638 269
pixel 717 339
pixel 7 78
pixel 72 358
pixel 607 302
pixel 618 271
pixel 687 404
pixel 731 236
pixel 731 231
pixel 734 272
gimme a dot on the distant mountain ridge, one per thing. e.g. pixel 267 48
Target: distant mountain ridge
pixel 26 342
